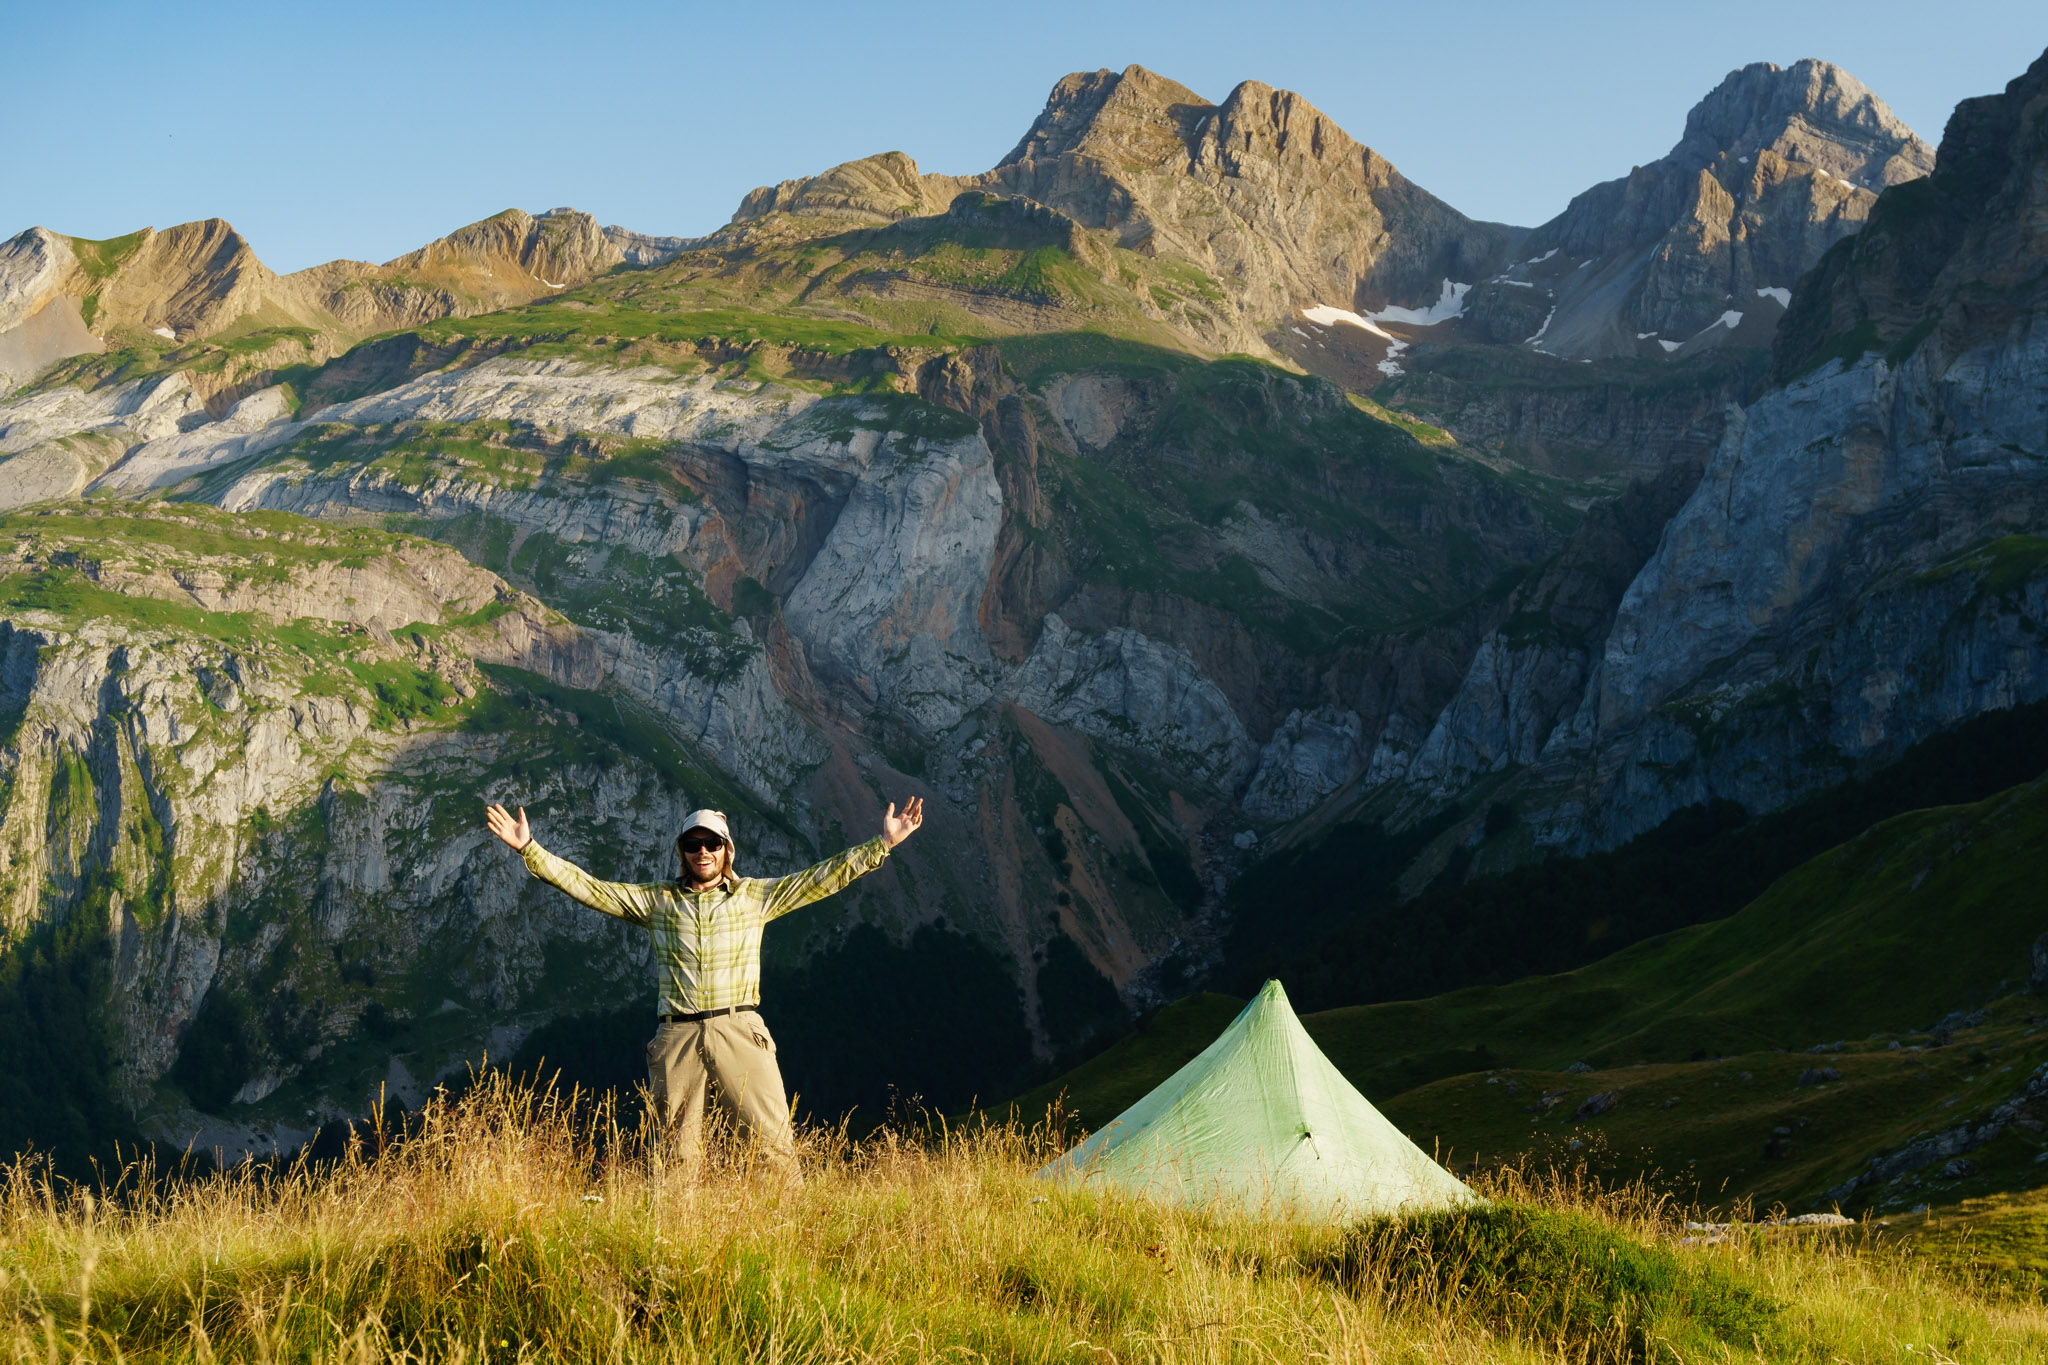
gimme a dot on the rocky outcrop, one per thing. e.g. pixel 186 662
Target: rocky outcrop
pixel 889 604
pixel 39 324
pixel 1856 571
pixel 1127 689
pixel 2027 1109
pixel 54 443
pixel 1610 420
pixel 874 189
pixel 640 248
pixel 250 427
pixel 1529 675
pixel 1958 253
pixel 1701 248
pixel 1312 754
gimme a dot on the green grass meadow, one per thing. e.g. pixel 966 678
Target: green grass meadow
pixel 1701 1037
pixel 506 1226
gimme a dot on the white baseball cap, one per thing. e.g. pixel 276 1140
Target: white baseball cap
pixel 713 820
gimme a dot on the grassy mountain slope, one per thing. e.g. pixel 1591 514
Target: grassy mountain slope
pixel 546 1251
pixel 1927 913
pixel 1924 914
pixel 1331 921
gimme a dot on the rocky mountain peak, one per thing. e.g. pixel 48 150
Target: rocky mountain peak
pixel 558 248
pixel 1812 112
pixel 1956 256
pixel 68 296
pixel 1276 207
pixel 1264 193
pixel 1700 248
pixel 1097 111
pixel 884 187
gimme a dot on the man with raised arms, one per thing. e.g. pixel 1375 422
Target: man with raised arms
pixel 707 964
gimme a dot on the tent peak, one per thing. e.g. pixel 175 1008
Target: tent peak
pixel 1263 1120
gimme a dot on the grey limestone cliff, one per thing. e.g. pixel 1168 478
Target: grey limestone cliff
pixel 1859 565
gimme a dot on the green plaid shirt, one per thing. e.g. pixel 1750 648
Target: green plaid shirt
pixel 707 944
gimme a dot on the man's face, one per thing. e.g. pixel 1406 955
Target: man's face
pixel 704 855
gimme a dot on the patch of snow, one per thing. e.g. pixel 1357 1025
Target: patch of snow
pixel 1583 264
pixel 1539 260
pixel 166 333
pixel 1644 336
pixel 1743 159
pixel 1391 367
pixel 1783 296
pixel 549 283
pixel 1449 304
pixel 1327 315
pixel 1520 284
pixel 1531 341
pixel 1730 319
pixel 1303 335
pixel 1670 346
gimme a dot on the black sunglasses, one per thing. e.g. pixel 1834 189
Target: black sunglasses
pixel 700 845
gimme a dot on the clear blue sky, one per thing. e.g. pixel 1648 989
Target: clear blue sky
pixel 365 129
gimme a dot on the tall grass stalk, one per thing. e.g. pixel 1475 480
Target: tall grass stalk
pixel 509 1225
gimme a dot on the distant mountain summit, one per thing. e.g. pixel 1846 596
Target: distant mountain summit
pixel 63 296
pixel 1264 191
pixel 1958 256
pixel 1812 113
pixel 1276 206
pixel 1701 247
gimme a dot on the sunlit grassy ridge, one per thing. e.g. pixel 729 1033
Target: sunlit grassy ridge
pixel 508 1227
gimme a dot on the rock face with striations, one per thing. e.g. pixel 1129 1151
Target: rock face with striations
pixel 1701 246
pixel 1861 564
pixel 1959 254
pixel 880 188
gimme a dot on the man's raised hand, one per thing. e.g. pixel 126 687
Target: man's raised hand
pixel 513 832
pixel 896 828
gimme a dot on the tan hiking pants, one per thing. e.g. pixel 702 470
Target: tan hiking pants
pixel 737 1053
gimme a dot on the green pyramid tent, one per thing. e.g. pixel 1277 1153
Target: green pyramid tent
pixel 1263 1120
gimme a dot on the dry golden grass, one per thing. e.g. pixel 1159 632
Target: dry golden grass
pixel 506 1226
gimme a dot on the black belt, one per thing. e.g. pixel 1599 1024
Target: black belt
pixel 702 1015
